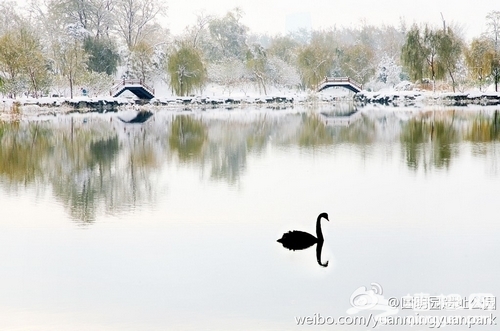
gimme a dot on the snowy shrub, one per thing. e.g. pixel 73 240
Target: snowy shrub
pixel 387 74
pixel 404 86
pixel 96 83
pixel 282 74
pixel 228 74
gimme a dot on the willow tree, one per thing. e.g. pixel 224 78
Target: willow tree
pixel 186 70
pixel 141 61
pixel 35 64
pixel 449 51
pixel 358 62
pixel 257 64
pixel 421 56
pixel 413 54
pixel 431 40
pixel 479 58
pixel 22 62
pixel 314 62
pixel 10 63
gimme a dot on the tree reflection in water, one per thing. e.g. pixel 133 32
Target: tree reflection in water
pixel 187 137
pixel 96 165
pixel 430 140
pixel 79 161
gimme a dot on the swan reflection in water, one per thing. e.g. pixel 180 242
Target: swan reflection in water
pixel 296 240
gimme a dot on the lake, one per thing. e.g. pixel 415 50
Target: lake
pixel 173 224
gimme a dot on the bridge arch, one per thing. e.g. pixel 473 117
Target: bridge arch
pixel 136 86
pixel 345 82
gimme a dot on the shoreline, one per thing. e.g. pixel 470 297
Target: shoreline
pixel 19 108
pixel 427 98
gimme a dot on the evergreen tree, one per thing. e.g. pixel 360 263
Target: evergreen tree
pixel 102 55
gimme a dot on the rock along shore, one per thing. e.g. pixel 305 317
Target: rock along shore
pixel 424 98
pixel 54 106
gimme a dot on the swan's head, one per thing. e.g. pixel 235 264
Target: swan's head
pixel 323 215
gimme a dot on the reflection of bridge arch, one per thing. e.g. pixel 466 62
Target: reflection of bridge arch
pixel 136 86
pixel 345 82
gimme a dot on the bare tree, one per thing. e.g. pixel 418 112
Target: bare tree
pixel 493 23
pixel 9 17
pixel 101 17
pixel 134 16
pixel 197 31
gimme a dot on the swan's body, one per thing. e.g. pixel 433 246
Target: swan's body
pixel 295 240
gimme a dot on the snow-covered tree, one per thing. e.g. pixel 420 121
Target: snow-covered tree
pixel 141 61
pixel 282 74
pixel 258 66
pixel 228 37
pixel 186 70
pixel 96 83
pixel 197 34
pixel 284 48
pixel 449 51
pixel 314 62
pixel 70 57
pixel 103 55
pixel 493 33
pixel 22 62
pixel 95 16
pixel 479 58
pixel 357 61
pixel 387 74
pixel 9 16
pixel 136 18
pixel 229 74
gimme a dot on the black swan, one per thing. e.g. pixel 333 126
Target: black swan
pixel 296 240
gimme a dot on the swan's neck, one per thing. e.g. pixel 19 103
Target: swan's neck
pixel 319 233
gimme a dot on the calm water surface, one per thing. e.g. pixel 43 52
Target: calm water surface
pixel 173 224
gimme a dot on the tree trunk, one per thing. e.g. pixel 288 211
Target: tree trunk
pixel 452 80
pixel 71 85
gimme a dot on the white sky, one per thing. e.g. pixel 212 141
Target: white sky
pixel 270 15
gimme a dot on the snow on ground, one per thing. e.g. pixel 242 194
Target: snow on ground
pixel 401 95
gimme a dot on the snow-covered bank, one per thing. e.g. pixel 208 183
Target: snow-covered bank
pixel 58 105
pixel 426 98
pixel 44 106
pixel 14 108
